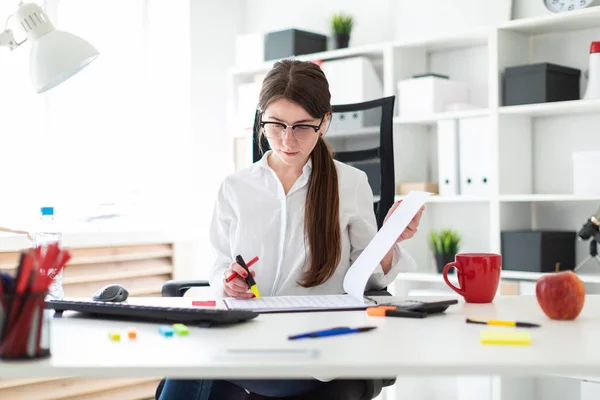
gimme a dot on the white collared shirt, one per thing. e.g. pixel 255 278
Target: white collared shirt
pixel 254 217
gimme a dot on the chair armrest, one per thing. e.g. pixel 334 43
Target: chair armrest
pixel 380 292
pixel 174 288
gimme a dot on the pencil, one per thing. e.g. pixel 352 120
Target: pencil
pixel 234 274
pixel 502 323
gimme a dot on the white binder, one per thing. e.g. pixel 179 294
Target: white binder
pixel 473 136
pixel 448 156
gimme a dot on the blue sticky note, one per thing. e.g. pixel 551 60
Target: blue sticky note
pixel 165 330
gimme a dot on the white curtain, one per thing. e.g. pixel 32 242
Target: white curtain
pixel 116 134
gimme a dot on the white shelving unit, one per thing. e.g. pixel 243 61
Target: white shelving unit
pixel 530 146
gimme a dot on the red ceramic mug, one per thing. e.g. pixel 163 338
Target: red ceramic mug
pixel 478 276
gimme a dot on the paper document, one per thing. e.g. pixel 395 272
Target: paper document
pixel 358 275
pixel 296 303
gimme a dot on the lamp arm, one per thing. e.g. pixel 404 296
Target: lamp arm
pixel 7 38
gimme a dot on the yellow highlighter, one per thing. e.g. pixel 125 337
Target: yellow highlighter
pixel 505 337
pixel 249 279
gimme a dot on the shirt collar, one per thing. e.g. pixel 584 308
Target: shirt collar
pixel 264 163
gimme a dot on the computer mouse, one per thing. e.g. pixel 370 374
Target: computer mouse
pixel 113 292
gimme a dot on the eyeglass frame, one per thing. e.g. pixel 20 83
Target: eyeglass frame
pixel 284 127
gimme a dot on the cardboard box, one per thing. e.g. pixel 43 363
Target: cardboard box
pixel 404 188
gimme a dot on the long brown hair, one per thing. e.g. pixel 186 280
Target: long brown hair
pixel 305 84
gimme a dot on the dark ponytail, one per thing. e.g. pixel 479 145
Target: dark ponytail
pixel 305 83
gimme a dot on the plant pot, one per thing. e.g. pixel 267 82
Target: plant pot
pixel 443 259
pixel 342 40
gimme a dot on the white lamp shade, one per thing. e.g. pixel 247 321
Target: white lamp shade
pixel 56 56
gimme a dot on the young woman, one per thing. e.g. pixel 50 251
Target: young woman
pixel 305 215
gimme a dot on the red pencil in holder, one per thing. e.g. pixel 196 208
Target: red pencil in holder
pixel 24 326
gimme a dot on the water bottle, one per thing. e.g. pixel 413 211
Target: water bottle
pixel 593 87
pixel 47 233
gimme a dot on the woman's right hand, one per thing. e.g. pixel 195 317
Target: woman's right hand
pixel 237 288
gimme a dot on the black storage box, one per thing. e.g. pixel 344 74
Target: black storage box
pixel 293 42
pixel 538 251
pixel 540 83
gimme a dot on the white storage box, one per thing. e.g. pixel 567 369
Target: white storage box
pixel 586 173
pixel 429 94
pixel 353 80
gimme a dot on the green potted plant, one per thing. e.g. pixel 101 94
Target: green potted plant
pixel 341 25
pixel 445 244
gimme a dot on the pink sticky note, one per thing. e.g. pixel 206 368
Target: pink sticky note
pixel 205 303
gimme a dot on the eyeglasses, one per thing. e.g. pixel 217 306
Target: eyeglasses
pixel 302 132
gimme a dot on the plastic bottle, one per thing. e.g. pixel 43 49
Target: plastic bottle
pixel 46 233
pixel 593 87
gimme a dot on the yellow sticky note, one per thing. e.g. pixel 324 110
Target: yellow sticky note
pixel 505 337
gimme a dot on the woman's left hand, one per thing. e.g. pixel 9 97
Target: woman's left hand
pixel 411 229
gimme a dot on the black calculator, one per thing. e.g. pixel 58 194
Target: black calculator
pixel 421 309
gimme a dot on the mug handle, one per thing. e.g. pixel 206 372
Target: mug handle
pixel 456 265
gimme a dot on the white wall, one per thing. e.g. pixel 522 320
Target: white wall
pixel 374 22
pixel 214 26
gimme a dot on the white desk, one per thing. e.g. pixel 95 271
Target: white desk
pixel 439 345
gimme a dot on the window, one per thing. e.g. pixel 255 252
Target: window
pixel 118 132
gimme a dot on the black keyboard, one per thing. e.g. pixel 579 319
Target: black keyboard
pixel 155 314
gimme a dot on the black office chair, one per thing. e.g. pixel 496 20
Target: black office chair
pixel 361 135
pixel 371 123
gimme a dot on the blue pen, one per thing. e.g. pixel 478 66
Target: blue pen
pixel 331 332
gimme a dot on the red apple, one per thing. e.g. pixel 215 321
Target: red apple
pixel 560 295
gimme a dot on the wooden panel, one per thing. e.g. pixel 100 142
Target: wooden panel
pixel 113 254
pixel 8 383
pixel 129 269
pixel 8 261
pixel 71 388
pixel 98 255
pixel 135 286
pixel 139 391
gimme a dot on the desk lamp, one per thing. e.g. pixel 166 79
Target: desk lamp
pixel 55 55
pixel 591 230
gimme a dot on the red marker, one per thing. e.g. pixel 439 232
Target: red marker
pixel 248 264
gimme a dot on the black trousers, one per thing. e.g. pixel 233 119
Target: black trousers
pixel 220 390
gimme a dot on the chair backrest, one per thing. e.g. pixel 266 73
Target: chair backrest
pixel 361 135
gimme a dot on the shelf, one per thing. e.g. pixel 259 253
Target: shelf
pixel 437 199
pixel 553 23
pixel 356 51
pixel 506 275
pixel 477 37
pixel 434 118
pixel 534 198
pixel 558 108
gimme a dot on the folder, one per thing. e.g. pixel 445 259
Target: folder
pixel 448 156
pixel 474 151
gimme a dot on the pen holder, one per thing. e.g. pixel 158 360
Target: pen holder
pixel 25 327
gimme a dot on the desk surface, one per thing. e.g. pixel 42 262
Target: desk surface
pixel 439 345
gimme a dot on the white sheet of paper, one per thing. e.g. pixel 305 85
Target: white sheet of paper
pixel 291 303
pixel 359 273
